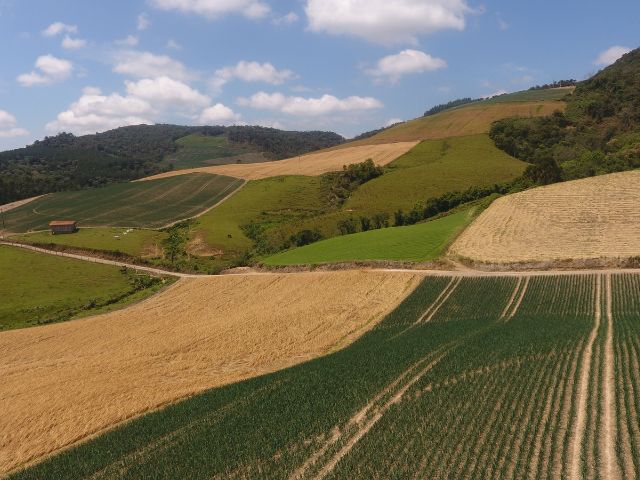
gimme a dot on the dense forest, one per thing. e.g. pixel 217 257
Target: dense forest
pixel 67 162
pixel 599 132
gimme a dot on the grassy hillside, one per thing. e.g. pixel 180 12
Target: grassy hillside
pixel 134 242
pixel 538 95
pixel 197 150
pixel 466 120
pixel 138 204
pixel 416 243
pixel 36 288
pixel 264 203
pixel 485 386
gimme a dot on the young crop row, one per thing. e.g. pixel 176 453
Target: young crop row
pixel 498 377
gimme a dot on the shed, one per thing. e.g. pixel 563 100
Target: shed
pixel 63 226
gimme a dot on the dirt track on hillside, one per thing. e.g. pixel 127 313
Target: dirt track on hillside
pixel 62 383
pixel 312 164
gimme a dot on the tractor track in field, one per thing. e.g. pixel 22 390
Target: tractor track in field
pixel 608 440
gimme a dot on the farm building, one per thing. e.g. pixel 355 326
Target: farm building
pixel 63 226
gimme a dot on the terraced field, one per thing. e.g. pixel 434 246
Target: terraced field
pixel 496 377
pixel 89 375
pixel 135 204
pixel 594 218
pixel 311 164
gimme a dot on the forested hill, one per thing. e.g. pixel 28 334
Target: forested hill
pixel 598 133
pixel 66 162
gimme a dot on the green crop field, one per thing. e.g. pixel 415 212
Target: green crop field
pixel 134 242
pixel 433 168
pixel 494 377
pixel 202 151
pixel 270 202
pixel 422 242
pixel 150 204
pixel 36 288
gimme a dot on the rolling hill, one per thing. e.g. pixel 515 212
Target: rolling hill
pixel 592 219
pixel 147 204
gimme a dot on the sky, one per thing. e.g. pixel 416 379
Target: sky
pixel 86 66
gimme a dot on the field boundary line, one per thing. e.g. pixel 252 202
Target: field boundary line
pixel 607 443
pixel 583 387
pixel 88 258
pixel 518 302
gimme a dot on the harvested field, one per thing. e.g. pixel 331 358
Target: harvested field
pixel 458 122
pixel 593 218
pixel 312 164
pixel 18 203
pixel 85 376
pixel 500 377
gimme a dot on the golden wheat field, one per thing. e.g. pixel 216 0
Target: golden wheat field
pixel 64 382
pixel 311 164
pixel 593 218
pixel 458 122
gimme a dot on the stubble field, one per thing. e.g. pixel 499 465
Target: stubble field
pixel 594 218
pixel 85 376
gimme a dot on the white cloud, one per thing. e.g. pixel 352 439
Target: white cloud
pixel 57 28
pixel 8 126
pixel 251 72
pixel 143 21
pixel 49 69
pixel 309 107
pixel 148 65
pixel 496 94
pixel 215 8
pixel 218 114
pixel 503 25
pixel 393 121
pixel 288 19
pixel 167 93
pixel 129 40
pixel 73 43
pixel 610 55
pixel 384 21
pixel 392 67
pixel 173 45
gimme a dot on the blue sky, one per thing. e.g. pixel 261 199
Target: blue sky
pixel 341 65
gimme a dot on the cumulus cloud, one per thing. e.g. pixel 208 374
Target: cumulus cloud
pixel 309 107
pixel 57 28
pixel 129 41
pixel 215 8
pixel 393 121
pixel 73 43
pixel 610 55
pixel 8 126
pixel 288 19
pixel 173 45
pixel 145 102
pixel 167 93
pixel 48 70
pixel 393 67
pixel 143 21
pixel 382 21
pixel 251 72
pixel 218 114
pixel 148 65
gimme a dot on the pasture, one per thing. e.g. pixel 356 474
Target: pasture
pixel 466 120
pixel 204 150
pixel 197 334
pixel 311 164
pixel 134 204
pixel 593 218
pixel 546 94
pixel 414 243
pixel 496 377
pixel 37 289
pixel 134 242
